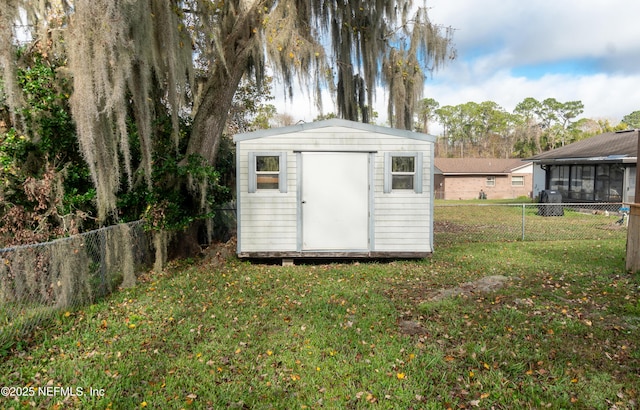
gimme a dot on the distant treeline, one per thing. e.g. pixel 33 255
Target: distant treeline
pixel 488 130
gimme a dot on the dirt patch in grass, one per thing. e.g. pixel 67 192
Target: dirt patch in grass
pixel 415 295
pixel 411 328
pixel 482 285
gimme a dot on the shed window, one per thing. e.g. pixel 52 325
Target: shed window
pixel 267 171
pixel 403 171
pixel 517 180
pixel 491 180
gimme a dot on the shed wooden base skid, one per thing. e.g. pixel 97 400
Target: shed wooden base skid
pixel 334 255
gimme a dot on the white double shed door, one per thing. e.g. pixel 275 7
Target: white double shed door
pixel 335 196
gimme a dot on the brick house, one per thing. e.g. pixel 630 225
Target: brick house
pixel 465 178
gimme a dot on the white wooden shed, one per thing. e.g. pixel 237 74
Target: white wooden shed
pixel 334 188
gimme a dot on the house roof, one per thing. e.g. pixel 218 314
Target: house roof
pixel 334 122
pixel 621 146
pixel 483 166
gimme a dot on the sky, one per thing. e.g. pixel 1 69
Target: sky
pixel 508 50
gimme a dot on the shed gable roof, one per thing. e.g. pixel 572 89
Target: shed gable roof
pixel 334 122
pixel 622 144
pixel 483 166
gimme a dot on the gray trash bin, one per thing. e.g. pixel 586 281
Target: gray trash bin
pixel 550 197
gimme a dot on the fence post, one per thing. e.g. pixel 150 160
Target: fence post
pixel 102 244
pixel 633 229
pixel 633 238
pixel 523 221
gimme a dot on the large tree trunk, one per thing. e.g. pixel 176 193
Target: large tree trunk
pixel 208 126
pixel 216 97
pixel 213 111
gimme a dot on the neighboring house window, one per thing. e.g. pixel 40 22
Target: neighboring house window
pixel 267 171
pixel 491 180
pixel 517 180
pixel 403 171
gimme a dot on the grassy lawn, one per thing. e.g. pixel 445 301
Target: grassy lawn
pixel 564 332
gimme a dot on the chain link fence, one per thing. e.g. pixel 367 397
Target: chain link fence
pixel 37 281
pixel 459 223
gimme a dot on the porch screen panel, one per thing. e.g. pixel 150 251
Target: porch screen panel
pixel 631 181
pixel 602 183
pixel 582 178
pixel 588 179
pixel 560 180
pixel 616 183
pixel 576 182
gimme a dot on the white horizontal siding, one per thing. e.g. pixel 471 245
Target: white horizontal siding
pixel 267 233
pixel 401 237
pixel 403 222
pixel 272 244
pixel 267 217
pixel 415 247
pixel 401 205
pixel 391 230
